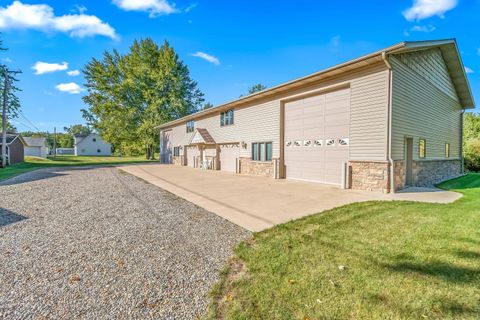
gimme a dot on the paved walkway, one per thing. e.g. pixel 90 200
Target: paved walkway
pixel 258 203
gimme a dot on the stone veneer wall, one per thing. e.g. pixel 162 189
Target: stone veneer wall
pixel 369 175
pixel 427 173
pixel 400 174
pixel 247 166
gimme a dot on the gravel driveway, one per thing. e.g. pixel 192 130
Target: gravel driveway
pixel 98 243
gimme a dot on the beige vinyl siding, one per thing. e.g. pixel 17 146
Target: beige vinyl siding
pixel 261 122
pixel 368 115
pixel 430 65
pixel 251 124
pixel 421 109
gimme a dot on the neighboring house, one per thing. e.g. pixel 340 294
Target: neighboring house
pixel 36 147
pixel 91 145
pixel 384 121
pixel 14 149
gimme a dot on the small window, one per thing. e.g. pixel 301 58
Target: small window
pixel 447 150
pixel 343 142
pixel 98 150
pixel 288 143
pixel 307 143
pixel 330 142
pixel 269 151
pixel 176 151
pixel 422 148
pixel 190 126
pixel 255 151
pixel 226 118
pixel 262 151
pixel 94 140
pixel 317 143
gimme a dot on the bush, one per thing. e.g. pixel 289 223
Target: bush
pixel 472 154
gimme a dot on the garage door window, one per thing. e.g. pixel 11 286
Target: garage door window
pixel 262 151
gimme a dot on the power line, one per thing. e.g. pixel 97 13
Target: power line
pixel 24 117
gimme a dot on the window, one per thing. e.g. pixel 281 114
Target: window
pixel 98 150
pixel 422 148
pixel 94 140
pixel 226 118
pixel 176 151
pixel 262 151
pixel 343 142
pixel 330 142
pixel 447 150
pixel 190 126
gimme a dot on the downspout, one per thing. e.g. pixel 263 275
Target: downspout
pixel 389 123
pixel 461 141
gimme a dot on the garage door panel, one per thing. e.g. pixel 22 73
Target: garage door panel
pixel 318 118
pixel 228 157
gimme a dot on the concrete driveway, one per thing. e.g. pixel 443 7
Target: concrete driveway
pixel 258 203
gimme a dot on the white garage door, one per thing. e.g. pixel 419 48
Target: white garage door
pixel 317 137
pixel 192 153
pixel 228 157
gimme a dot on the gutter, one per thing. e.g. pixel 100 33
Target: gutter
pixel 389 123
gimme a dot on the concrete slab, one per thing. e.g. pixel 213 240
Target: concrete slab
pixel 258 203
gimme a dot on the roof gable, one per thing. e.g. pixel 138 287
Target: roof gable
pixel 201 136
pixel 430 65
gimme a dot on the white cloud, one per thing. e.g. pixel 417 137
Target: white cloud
pixel 70 87
pixel 45 67
pixel 153 7
pixel 73 73
pixel 469 70
pixel 207 57
pixel 42 18
pixel 191 7
pixel 427 29
pixel 6 60
pixel 422 9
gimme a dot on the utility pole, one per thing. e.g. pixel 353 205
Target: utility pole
pixel 6 88
pixel 55 142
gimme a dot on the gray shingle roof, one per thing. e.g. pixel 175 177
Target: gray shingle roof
pixel 35 142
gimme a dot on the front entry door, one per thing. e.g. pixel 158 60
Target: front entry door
pixel 409 161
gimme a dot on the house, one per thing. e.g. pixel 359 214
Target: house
pixel 381 122
pixel 36 147
pixel 91 145
pixel 14 149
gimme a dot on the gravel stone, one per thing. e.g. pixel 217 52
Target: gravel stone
pixel 97 243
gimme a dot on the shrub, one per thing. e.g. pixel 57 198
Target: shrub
pixel 472 154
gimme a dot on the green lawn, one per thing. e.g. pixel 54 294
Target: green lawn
pixel 33 163
pixel 400 260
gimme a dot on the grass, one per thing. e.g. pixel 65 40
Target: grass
pixel 33 163
pixel 373 260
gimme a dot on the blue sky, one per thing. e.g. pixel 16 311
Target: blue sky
pixel 227 45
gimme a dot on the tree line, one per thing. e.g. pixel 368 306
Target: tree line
pixel 471 141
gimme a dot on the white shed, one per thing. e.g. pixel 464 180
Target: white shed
pixel 36 147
